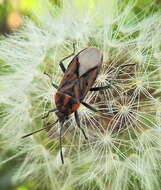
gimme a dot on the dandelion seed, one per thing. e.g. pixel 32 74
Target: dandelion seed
pixel 123 146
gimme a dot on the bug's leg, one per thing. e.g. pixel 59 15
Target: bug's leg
pixel 126 65
pixel 50 111
pixel 61 62
pixel 94 109
pixel 100 88
pixel 54 85
pixel 89 107
pixel 60 143
pixel 120 68
pixel 114 77
pixel 78 124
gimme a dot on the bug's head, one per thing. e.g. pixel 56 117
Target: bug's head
pixel 61 116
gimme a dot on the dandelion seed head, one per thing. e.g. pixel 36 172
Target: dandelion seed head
pixel 140 83
pixel 124 109
pixel 138 57
pixel 101 78
pixel 106 139
pixel 123 143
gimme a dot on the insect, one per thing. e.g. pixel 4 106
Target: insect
pixel 77 81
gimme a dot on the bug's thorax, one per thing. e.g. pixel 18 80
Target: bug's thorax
pixel 65 104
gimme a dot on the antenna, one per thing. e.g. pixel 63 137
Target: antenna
pixel 40 130
pixel 60 144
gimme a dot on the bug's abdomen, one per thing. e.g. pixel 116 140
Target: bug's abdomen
pixel 66 103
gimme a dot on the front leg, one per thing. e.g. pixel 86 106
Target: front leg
pixel 50 111
pixel 53 84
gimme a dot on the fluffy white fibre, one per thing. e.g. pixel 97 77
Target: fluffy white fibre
pixel 123 150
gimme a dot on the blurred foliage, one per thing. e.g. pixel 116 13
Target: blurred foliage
pixel 12 11
pixel 6 172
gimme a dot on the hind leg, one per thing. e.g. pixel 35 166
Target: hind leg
pixel 78 124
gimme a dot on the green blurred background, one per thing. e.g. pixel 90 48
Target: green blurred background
pixel 12 12
pixel 11 18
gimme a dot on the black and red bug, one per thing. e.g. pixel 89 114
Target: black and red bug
pixel 77 81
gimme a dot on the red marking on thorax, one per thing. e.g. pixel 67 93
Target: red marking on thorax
pixel 65 103
pixel 75 107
